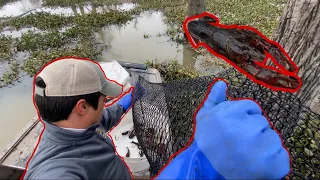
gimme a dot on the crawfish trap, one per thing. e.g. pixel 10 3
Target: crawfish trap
pixel 163 119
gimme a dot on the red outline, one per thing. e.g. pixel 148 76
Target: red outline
pixel 194 125
pixel 282 70
pixel 77 58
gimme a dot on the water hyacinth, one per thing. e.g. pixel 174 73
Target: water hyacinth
pixel 10 75
pixel 53 41
pixel 172 70
pixel 84 48
pixel 6 46
pixel 68 3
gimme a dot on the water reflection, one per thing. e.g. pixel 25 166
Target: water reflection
pixel 19 7
pixel 188 54
pixel 127 43
pixel 16 109
pixel 123 43
pixel 85 9
pixel 26 6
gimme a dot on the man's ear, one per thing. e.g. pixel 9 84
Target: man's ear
pixel 81 107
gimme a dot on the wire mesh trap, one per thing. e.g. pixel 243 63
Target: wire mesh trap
pixel 163 118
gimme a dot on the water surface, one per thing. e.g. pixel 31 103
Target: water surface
pixel 123 43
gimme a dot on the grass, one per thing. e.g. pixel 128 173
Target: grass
pixel 261 14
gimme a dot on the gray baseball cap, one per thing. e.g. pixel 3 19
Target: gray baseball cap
pixel 72 77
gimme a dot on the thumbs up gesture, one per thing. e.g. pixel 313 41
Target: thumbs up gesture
pixel 233 140
pixel 236 138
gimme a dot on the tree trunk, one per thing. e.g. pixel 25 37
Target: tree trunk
pixel 299 34
pixel 196 7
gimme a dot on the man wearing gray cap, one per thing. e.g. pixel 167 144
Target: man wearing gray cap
pixel 69 96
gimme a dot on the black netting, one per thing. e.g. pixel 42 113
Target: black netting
pixel 163 119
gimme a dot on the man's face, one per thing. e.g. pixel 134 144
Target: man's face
pixel 93 115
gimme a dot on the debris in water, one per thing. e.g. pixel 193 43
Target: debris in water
pixel 125 133
pixel 132 134
pixel 137 144
pixel 128 153
pixel 140 153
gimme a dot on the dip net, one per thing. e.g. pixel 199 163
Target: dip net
pixel 163 119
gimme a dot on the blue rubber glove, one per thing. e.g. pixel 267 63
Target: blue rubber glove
pixel 126 100
pixel 233 140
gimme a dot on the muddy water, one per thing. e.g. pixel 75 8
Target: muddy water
pixel 128 43
pixel 122 43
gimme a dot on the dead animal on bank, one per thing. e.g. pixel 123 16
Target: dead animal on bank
pixel 128 153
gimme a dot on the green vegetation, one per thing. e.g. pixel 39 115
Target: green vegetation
pixel 304 146
pixel 84 48
pixel 40 41
pixel 10 75
pixel 40 20
pixel 6 47
pixel 258 14
pixel 45 21
pixel 68 3
pixel 172 70
pixel 4 2
pixel 52 42
pixel 77 40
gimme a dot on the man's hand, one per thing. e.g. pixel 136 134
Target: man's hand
pixel 237 139
pixel 125 101
pixel 233 140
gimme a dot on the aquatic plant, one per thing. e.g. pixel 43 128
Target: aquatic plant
pixel 45 20
pixel 159 4
pixel 262 15
pixel 6 47
pixel 10 75
pixel 52 43
pixel 103 19
pixel 84 48
pixel 76 32
pixel 40 20
pixel 305 143
pixel 40 41
pixel 172 70
pixel 68 3
pixel 4 2
pixel 259 14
